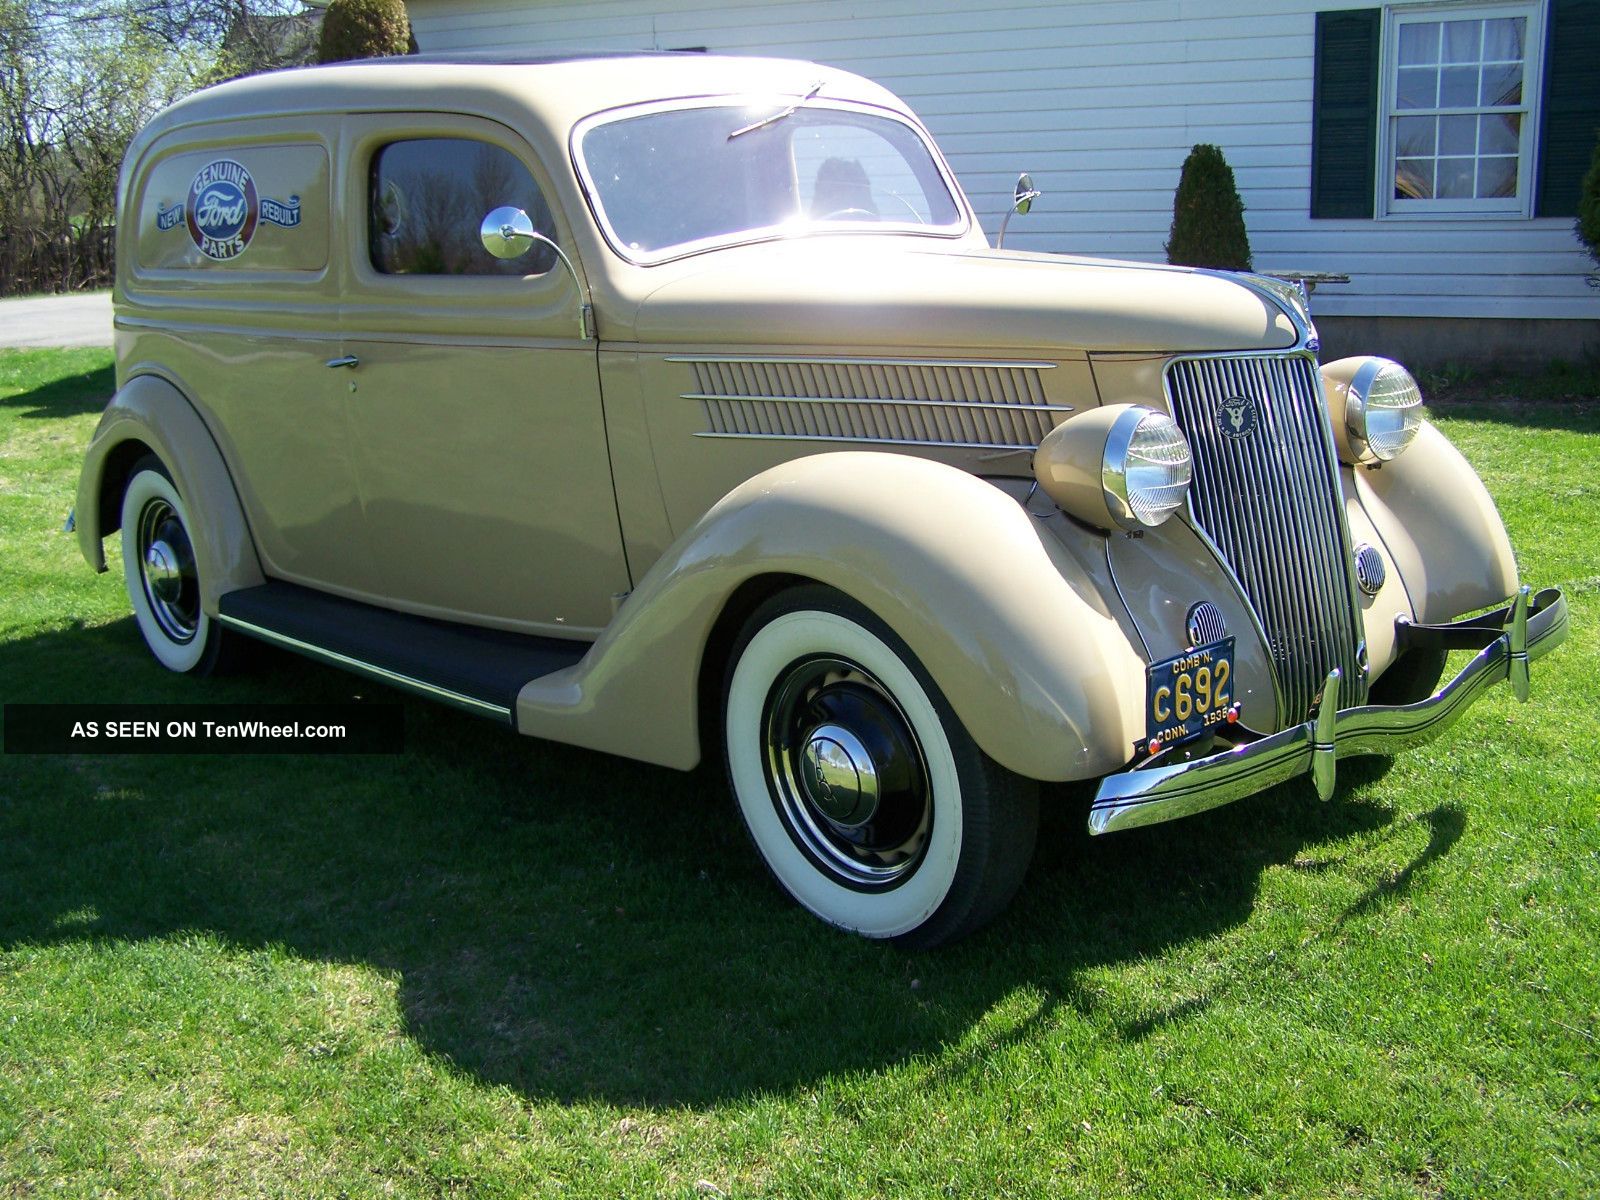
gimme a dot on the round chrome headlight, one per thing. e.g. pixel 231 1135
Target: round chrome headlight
pixel 1382 410
pixel 1117 468
pixel 1123 466
pixel 1147 468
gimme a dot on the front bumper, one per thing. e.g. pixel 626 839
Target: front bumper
pixel 1506 640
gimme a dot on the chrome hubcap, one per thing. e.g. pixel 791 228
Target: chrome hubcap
pixel 161 569
pixel 167 571
pixel 846 773
pixel 839 775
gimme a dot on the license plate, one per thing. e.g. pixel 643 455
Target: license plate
pixel 1189 693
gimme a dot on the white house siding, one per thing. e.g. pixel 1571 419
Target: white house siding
pixel 1101 102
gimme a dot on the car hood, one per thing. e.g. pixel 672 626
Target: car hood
pixel 859 292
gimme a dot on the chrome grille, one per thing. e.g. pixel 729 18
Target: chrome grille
pixel 1269 498
pixel 910 403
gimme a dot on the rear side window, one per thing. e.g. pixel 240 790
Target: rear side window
pixel 428 198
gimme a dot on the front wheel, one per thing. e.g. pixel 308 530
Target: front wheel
pixel 863 792
pixel 162 576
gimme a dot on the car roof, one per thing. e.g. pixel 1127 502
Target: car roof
pixel 559 89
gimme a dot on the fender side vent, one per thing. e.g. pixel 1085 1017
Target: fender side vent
pixel 902 402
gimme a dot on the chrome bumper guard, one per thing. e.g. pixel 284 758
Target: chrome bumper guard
pixel 1506 639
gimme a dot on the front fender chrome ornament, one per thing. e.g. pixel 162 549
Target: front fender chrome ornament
pixel 1370 571
pixel 1205 624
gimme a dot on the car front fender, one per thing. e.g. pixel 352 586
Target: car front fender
pixel 1440 528
pixel 148 414
pixel 1031 657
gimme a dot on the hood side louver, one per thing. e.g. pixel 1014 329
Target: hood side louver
pixel 906 402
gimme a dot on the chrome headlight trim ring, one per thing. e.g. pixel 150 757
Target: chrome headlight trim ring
pixel 1360 411
pixel 1134 507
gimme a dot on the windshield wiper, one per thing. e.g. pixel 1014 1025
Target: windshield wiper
pixel 778 116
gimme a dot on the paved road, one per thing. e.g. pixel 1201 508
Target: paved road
pixel 81 319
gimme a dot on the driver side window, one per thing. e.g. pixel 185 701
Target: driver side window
pixel 427 198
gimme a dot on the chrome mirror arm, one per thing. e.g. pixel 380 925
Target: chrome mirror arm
pixel 1021 201
pixel 509 233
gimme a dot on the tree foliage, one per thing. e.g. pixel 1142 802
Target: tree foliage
pixel 78 78
pixel 1207 215
pixel 364 29
pixel 1589 207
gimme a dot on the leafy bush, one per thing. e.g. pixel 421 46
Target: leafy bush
pixel 1207 215
pixel 364 29
pixel 1589 207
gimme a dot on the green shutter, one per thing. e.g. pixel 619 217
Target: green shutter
pixel 1344 113
pixel 1571 109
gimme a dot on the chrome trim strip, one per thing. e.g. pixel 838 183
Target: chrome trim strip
pixel 783 359
pixel 1150 795
pixel 882 403
pixel 382 674
pixel 873 441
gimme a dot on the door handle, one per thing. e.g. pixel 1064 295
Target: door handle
pixel 349 360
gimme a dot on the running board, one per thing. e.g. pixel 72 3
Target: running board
pixel 480 670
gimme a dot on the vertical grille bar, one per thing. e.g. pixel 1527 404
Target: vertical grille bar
pixel 1269 498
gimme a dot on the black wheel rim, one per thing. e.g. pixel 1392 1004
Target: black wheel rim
pixel 847 774
pixel 167 572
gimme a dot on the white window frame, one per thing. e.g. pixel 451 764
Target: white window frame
pixel 1520 206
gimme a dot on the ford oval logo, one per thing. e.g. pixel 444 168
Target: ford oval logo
pixel 1236 416
pixel 222 209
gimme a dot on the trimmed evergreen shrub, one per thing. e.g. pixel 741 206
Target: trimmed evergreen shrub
pixel 1207 215
pixel 364 29
pixel 1589 207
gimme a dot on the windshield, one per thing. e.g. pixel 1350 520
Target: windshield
pixel 670 181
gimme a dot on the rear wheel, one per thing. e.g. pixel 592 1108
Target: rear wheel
pixel 162 576
pixel 863 792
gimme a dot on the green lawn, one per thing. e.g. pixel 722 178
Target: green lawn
pixel 495 967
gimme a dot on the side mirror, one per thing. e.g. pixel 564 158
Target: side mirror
pixel 1025 194
pixel 509 233
pixel 1021 201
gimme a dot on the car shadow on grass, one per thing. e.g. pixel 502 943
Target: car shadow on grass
pixel 67 395
pixel 571 925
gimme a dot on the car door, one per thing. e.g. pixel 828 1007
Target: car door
pixel 473 396
pixel 232 285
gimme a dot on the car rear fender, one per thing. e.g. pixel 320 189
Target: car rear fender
pixel 150 415
pixel 1027 651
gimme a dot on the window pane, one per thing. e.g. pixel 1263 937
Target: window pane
pixel 1458 87
pixel 1419 43
pixel 1502 85
pixel 429 196
pixel 1413 179
pixel 1462 41
pixel 1497 178
pixel 1502 39
pixel 1419 88
pixel 1414 137
pixel 1458 135
pixel 1455 178
pixel 1500 133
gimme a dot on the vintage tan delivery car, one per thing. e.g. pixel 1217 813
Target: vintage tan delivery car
pixel 674 405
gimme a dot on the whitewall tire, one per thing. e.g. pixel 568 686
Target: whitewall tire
pixel 861 790
pixel 161 573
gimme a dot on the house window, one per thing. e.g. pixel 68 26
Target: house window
pixel 1460 87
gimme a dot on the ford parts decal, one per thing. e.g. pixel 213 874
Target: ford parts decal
pixel 223 209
